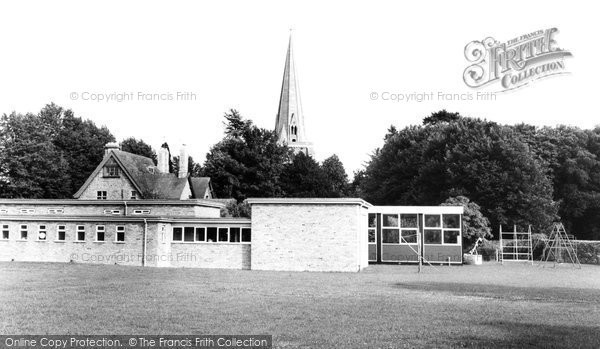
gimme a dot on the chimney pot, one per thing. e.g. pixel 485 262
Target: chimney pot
pixel 163 159
pixel 183 162
pixel 109 147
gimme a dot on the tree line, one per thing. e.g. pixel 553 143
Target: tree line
pixel 518 174
pixel 503 174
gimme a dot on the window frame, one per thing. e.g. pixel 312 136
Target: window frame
pixel 80 229
pixel 385 227
pixel 443 230
pixel 42 230
pixel 100 229
pixel 244 232
pixel 58 231
pixel 403 229
pixel 111 170
pixel 119 229
pixel 4 228
pixel 23 228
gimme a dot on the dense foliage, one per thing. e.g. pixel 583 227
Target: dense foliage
pixel 249 162
pixel 517 174
pixel 49 154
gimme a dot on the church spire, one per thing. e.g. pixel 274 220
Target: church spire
pixel 289 125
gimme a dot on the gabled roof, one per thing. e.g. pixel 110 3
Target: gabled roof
pixel 199 185
pixel 143 175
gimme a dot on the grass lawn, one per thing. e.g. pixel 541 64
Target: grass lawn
pixel 382 307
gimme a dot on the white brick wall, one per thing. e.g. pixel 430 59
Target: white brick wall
pixel 309 237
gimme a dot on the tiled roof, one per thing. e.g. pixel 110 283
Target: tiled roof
pixel 146 178
pixel 199 185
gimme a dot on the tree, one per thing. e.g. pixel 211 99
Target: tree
pixel 474 223
pixel 248 162
pixel 336 177
pixel 139 147
pixel 49 154
pixel 487 162
pixel 440 117
pixel 194 168
pixel 304 178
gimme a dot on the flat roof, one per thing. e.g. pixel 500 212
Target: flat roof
pixel 136 219
pixel 75 202
pixel 417 209
pixel 309 201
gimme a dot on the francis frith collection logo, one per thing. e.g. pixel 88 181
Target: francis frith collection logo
pixel 516 62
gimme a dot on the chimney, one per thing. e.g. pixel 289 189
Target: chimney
pixel 183 162
pixel 110 147
pixel 163 159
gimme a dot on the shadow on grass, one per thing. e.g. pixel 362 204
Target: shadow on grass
pixel 508 293
pixel 525 335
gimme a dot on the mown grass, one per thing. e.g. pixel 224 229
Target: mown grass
pixel 381 307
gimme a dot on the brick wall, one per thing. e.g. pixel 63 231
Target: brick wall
pixel 309 237
pixel 210 255
pixel 88 251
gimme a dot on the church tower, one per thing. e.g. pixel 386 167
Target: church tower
pixel 289 125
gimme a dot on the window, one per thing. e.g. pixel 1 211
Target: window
pixel 390 220
pixel 432 236
pixel 371 235
pixel 134 195
pixel 432 221
pixel 111 169
pixel 451 228
pixel 80 233
pixel 100 233
pixel 188 234
pixel 141 211
pixel 3 211
pixel 234 234
pixel 200 234
pixel 56 211
pixel 451 221
pixel 23 231
pixel 5 232
pixel 372 227
pixel 112 211
pixel 223 234
pixel 27 210
pixel 390 236
pixel 177 234
pixel 61 233
pixel 42 233
pixel 409 223
pixel 211 234
pixel 408 236
pixel 246 235
pixel 101 195
pixel 120 236
pixel 451 236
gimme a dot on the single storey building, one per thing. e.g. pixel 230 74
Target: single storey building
pixel 132 212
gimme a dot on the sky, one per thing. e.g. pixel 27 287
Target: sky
pixel 350 56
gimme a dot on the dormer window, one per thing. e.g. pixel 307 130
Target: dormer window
pixel 111 169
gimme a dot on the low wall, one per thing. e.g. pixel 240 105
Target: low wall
pixel 210 255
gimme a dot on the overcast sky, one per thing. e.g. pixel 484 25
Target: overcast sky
pixel 231 54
